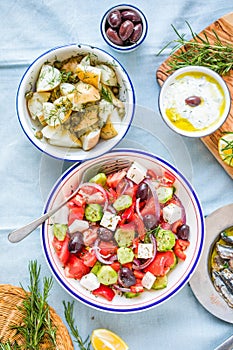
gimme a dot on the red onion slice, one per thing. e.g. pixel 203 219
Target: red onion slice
pixel 99 188
pixel 183 214
pixel 121 289
pixel 155 197
pixel 147 263
pixel 99 256
pixel 138 208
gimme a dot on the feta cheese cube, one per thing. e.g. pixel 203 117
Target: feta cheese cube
pixel 110 220
pixel 148 280
pixel 172 213
pixel 90 281
pixel 136 173
pixel 78 225
pixel 145 250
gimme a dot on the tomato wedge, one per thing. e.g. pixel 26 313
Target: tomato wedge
pixel 61 248
pixel 105 292
pixel 179 248
pixel 162 263
pixel 75 268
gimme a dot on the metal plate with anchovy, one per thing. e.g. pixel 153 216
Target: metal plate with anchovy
pixel 201 283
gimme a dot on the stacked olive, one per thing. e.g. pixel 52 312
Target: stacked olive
pixel 123 27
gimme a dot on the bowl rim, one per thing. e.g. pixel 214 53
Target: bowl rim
pixel 149 304
pixel 226 92
pixel 75 157
pixel 124 48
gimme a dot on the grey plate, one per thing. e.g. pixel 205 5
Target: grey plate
pixel 201 283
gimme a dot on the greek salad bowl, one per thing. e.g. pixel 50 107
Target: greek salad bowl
pixel 127 241
pixel 75 102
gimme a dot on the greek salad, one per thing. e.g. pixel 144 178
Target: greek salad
pixel 124 232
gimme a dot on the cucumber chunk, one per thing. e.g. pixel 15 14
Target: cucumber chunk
pixel 164 193
pixel 165 240
pixel 160 282
pixel 125 255
pixel 59 231
pixel 93 212
pixel 124 237
pixel 100 179
pixel 106 275
pixel 122 202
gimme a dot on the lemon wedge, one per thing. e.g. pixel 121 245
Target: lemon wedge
pixel 225 148
pixel 104 339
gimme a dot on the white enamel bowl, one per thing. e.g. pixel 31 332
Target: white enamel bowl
pixel 28 81
pixel 207 93
pixel 178 277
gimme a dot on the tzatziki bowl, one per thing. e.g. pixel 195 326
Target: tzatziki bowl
pixel 194 101
pixel 127 241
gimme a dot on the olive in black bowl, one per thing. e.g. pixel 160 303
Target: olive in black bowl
pixel 124 27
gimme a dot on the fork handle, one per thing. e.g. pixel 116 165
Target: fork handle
pixel 19 234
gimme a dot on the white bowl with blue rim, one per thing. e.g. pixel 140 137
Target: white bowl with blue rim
pixel 32 127
pixel 138 24
pixel 178 277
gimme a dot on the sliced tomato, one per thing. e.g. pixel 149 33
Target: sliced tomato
pixel 105 292
pixel 112 195
pixel 107 248
pixel 75 213
pixel 131 191
pixel 179 248
pixel 139 274
pixel 137 288
pixel 75 268
pixel 114 178
pixel 128 214
pixel 89 258
pixel 149 207
pixel 167 179
pixel 140 228
pixel 162 263
pixel 116 265
pixel 61 248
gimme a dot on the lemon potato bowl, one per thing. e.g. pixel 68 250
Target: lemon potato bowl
pixel 194 101
pixel 75 102
pixel 177 276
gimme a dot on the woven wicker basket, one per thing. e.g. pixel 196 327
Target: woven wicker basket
pixel 10 299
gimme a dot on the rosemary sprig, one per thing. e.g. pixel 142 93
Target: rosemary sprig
pixel 36 323
pixel 199 51
pixel 229 146
pixel 68 311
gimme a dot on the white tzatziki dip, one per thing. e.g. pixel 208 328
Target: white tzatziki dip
pixel 194 101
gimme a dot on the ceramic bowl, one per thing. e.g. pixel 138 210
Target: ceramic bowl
pixel 139 28
pixel 32 127
pixel 178 276
pixel 194 101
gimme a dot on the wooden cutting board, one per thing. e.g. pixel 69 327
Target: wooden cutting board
pixel 224 28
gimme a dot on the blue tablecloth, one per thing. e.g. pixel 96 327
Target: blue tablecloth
pixel 28 28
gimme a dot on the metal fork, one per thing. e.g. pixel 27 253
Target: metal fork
pixel 107 166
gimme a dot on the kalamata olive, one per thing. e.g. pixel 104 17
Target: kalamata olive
pixel 114 37
pixel 150 221
pixel 183 232
pixel 76 243
pixel 126 29
pixel 137 32
pixel 193 101
pixel 132 15
pixel 126 277
pixel 114 18
pixel 105 234
pixel 142 191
